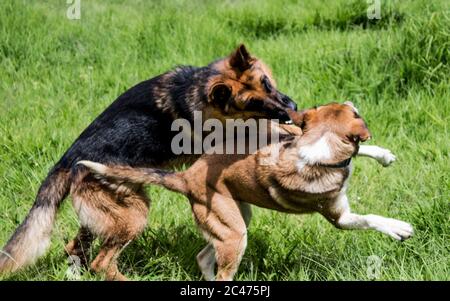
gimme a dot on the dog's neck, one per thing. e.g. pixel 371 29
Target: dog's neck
pixel 326 150
pixel 182 91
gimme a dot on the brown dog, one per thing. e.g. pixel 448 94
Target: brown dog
pixel 305 174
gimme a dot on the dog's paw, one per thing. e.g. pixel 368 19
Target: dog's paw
pixel 397 229
pixel 385 157
pixel 400 230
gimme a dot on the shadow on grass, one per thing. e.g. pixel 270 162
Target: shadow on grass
pixel 170 252
pixel 163 250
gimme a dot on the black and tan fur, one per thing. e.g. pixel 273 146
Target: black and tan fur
pixel 135 130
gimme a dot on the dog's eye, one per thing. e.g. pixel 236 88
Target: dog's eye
pixel 266 83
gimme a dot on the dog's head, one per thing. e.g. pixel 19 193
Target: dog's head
pixel 244 88
pixel 342 120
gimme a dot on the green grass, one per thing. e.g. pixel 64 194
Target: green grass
pixel 58 74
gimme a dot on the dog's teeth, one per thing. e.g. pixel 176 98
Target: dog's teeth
pixel 289 122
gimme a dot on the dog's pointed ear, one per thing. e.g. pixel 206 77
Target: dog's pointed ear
pixel 220 95
pixel 351 104
pixel 241 59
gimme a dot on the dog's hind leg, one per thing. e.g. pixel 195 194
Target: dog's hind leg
pixel 221 219
pixel 206 258
pixel 106 260
pixel 115 214
pixel 80 246
pixel 339 214
pixel 384 156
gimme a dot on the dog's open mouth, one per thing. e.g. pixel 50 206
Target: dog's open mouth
pixel 284 117
pixel 285 121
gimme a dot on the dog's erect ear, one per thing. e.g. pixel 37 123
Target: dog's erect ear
pixel 241 58
pixel 220 95
pixel 349 103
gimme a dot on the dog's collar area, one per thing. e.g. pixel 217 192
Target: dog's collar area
pixel 341 164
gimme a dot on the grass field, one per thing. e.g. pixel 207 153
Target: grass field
pixel 58 74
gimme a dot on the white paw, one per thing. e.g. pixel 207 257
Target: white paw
pixel 397 229
pixel 385 157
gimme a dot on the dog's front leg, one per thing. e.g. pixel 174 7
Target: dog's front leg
pixel 340 215
pixel 384 156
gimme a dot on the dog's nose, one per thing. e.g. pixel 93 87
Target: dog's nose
pixel 289 102
pixel 292 105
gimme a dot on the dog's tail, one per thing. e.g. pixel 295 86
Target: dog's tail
pixel 32 238
pixel 171 180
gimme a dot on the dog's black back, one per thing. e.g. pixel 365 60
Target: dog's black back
pixel 134 130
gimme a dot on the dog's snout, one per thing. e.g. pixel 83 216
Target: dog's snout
pixel 288 102
pixel 292 105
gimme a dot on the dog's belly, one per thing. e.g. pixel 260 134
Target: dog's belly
pixel 243 186
pixel 296 202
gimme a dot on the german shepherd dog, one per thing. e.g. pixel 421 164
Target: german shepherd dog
pixel 135 130
pixel 305 174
